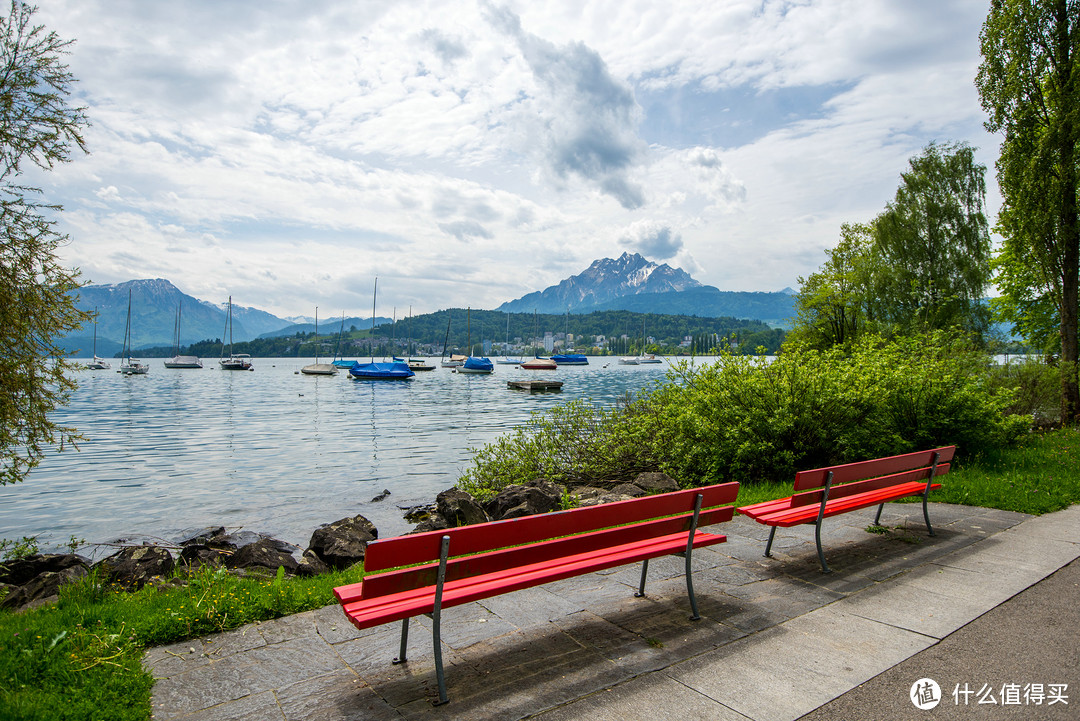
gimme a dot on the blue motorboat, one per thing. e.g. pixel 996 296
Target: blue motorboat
pixel 570 359
pixel 474 364
pixel 381 371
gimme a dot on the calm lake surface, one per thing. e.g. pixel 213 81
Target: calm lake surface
pixel 272 451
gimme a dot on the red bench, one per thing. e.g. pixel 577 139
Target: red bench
pixel 426 572
pixel 825 492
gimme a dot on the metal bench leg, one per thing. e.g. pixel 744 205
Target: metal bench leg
pixel 404 641
pixel 436 618
pixel 820 517
pixel 877 518
pixel 820 553
pixel 641 586
pixel 926 515
pixel 768 546
pixel 689 550
pixel 926 494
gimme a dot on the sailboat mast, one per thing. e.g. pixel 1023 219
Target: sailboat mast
pixel 374 290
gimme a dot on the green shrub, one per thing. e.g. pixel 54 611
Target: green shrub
pixel 756 419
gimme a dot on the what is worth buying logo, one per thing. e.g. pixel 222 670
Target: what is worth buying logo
pixel 925 694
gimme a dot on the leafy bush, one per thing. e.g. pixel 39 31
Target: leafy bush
pixel 1037 389
pixel 761 419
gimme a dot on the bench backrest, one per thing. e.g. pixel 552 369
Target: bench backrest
pixel 486 547
pixel 851 478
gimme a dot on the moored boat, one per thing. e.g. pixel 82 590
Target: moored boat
pixel 540 364
pixel 392 371
pixel 570 359
pixel 235 361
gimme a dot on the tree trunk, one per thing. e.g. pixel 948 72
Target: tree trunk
pixel 1070 232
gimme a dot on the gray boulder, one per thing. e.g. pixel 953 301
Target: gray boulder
pixel 342 543
pixel 537 496
pixel 630 490
pixel 311 565
pixel 265 553
pixel 133 567
pixel 435 522
pixel 656 482
pixel 42 588
pixel 459 508
pixel 19 571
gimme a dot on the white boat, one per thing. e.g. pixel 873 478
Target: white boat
pixel 506 344
pixel 235 361
pixel 416 364
pixel 130 366
pixel 455 361
pixel 630 361
pixel 317 368
pixel 650 358
pixel 181 361
pixel 98 364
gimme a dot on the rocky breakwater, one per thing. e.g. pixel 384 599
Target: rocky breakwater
pixel 35 580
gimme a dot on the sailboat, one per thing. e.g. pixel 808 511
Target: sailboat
pixel 130 366
pixel 455 361
pixel 235 361
pixel 474 364
pixel 317 368
pixel 538 363
pixel 181 361
pixel 98 364
pixel 506 344
pixel 416 364
pixel 342 362
pixel 569 359
pixel 392 371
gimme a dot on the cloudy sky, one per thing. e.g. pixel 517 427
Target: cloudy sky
pixel 468 152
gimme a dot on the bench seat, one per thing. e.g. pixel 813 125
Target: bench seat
pixel 365 613
pixel 425 572
pixel 825 492
pixel 780 513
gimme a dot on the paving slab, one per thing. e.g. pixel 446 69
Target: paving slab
pixel 777 638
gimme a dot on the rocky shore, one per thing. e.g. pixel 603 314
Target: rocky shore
pixel 35 580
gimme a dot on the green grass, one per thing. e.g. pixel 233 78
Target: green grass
pixel 81 659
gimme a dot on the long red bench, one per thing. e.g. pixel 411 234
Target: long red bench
pixel 825 492
pixel 427 572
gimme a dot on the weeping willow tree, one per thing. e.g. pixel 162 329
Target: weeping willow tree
pixel 38 128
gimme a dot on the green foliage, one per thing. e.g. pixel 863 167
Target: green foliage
pixel 834 303
pixel 1029 84
pixel 575 443
pixel 11 549
pixel 1038 475
pixel 934 244
pixel 82 658
pixel 37 127
pixel 1035 385
pixel 760 419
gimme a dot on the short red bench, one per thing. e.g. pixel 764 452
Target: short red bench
pixel 825 492
pixel 426 572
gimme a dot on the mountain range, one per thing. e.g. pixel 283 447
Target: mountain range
pixel 629 282
pixel 154 305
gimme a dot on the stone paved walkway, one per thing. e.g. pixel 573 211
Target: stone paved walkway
pixel 777 639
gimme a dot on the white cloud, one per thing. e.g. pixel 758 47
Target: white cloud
pixel 484 151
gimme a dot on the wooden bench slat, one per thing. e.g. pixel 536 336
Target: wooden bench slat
pixel 813 497
pixel 393 607
pixel 809 514
pixel 479 564
pixel 390 553
pixel 805 480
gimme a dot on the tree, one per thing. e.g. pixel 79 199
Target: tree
pixel 1029 83
pixel 934 244
pixel 37 306
pixel 832 303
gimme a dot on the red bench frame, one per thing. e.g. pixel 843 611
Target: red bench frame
pixel 862 484
pixel 426 572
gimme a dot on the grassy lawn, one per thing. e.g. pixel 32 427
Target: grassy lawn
pixel 81 659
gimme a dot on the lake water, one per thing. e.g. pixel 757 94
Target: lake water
pixel 272 451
